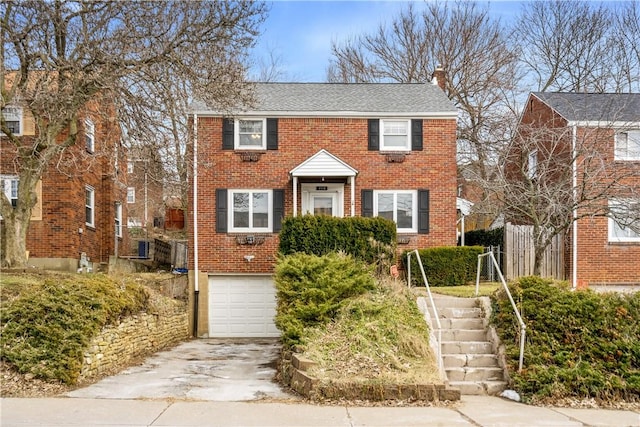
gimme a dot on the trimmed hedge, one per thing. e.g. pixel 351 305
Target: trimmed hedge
pixel 445 266
pixel 368 239
pixel 311 289
pixel 485 238
pixel 580 344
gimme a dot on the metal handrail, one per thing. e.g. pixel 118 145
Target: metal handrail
pixel 523 327
pixel 433 305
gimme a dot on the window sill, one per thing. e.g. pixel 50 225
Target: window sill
pixel 625 243
pixel 250 155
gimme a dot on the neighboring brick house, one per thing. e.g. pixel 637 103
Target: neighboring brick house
pixel 333 149
pixel 81 196
pixel 600 250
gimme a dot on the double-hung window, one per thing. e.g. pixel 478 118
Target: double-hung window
pixel 250 210
pixel 9 185
pixel 13 119
pixel 89 206
pixel 89 135
pixel 250 134
pixel 627 145
pixel 118 219
pixel 396 135
pixel 398 206
pixel 624 220
pixel 532 164
pixel 131 195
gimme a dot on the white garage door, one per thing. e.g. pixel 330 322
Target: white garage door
pixel 242 306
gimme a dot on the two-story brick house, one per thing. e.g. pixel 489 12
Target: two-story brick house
pixel 79 216
pixel 311 148
pixel 599 135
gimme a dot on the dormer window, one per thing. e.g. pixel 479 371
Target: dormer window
pixel 250 134
pixel 13 119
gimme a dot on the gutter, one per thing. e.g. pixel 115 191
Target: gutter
pixel 196 291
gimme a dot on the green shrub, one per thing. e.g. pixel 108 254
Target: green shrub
pixel 494 237
pixel 46 328
pixel 371 240
pixel 579 344
pixel 445 266
pixel 311 288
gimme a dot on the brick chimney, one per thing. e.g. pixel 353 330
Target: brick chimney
pixel 437 78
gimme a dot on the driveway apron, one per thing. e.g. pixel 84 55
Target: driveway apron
pixel 203 369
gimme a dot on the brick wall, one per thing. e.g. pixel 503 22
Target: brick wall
pixel 434 169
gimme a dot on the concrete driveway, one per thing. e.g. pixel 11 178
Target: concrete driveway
pixel 202 369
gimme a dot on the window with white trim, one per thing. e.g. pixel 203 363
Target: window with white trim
pixel 89 135
pixel 250 134
pixel 398 206
pixel 395 135
pixel 624 220
pixel 130 167
pixel 13 118
pixel 9 184
pixel 250 210
pixel 532 164
pixel 89 206
pixel 131 195
pixel 118 219
pixel 627 145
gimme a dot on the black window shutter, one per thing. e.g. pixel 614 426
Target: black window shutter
pixel 272 134
pixel 423 211
pixel 278 209
pixel 367 203
pixel 221 210
pixel 227 134
pixel 416 135
pixel 374 134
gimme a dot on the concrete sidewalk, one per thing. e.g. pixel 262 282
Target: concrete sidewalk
pixel 471 411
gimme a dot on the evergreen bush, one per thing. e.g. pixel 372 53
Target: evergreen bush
pixel 445 266
pixel 485 238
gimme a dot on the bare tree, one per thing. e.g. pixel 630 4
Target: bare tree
pixel 67 53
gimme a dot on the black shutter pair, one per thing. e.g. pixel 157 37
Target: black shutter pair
pixel 374 135
pixel 228 134
pixel 222 210
pixel 423 208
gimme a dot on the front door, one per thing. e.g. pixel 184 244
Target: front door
pixel 323 199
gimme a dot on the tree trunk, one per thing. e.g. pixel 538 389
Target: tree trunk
pixel 15 238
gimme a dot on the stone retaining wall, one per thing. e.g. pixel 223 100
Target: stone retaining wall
pixel 133 337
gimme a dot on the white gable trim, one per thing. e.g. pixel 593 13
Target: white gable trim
pixel 323 164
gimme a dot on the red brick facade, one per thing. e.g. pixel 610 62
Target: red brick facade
pixel 599 260
pixel 432 168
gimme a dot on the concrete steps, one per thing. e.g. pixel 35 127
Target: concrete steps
pixel 467 353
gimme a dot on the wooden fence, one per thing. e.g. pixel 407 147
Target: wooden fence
pixel 519 254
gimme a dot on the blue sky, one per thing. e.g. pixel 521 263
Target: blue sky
pixel 300 33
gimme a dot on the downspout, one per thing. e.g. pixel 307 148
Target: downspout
pixel 574 234
pixel 196 290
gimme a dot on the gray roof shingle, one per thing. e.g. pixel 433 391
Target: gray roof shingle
pixel 603 107
pixel 352 98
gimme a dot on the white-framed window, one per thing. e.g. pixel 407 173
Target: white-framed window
pixel 89 206
pixel 118 219
pixel 250 210
pixel 134 222
pixel 395 135
pixel 130 166
pixel 89 135
pixel 131 195
pixel 9 184
pixel 13 118
pixel 532 164
pixel 624 220
pixel 627 145
pixel 399 206
pixel 250 134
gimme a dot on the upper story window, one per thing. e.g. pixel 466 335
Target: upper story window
pixel 89 206
pixel 13 119
pixel 89 135
pixel 131 195
pixel 398 206
pixel 250 210
pixel 627 145
pixel 9 184
pixel 395 135
pixel 250 134
pixel 624 223
pixel 532 164
pixel 129 167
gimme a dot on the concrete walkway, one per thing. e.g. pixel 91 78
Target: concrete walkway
pixel 471 411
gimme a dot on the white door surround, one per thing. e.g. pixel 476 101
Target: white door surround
pixel 321 198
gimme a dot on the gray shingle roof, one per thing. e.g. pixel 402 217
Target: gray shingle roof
pixel 603 107
pixel 350 98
